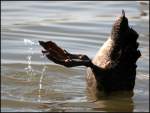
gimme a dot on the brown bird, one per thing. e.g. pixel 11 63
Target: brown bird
pixel 114 66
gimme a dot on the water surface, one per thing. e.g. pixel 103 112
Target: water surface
pixel 30 82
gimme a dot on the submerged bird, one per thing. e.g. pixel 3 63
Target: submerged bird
pixel 114 66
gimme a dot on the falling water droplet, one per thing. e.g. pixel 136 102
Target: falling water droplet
pixel 29 70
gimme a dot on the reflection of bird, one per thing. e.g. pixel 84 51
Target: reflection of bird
pixel 114 66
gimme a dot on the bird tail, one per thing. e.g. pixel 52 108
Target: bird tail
pixel 126 46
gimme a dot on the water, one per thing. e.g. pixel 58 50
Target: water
pixel 30 82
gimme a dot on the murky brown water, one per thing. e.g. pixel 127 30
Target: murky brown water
pixel 29 82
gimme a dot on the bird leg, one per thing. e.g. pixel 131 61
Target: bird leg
pixel 62 57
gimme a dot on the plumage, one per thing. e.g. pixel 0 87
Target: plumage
pixel 114 66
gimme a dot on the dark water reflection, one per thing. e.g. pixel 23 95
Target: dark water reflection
pixel 30 82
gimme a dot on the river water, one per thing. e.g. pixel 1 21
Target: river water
pixel 30 82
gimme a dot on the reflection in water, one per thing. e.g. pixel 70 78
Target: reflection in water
pixel 117 105
pixel 117 101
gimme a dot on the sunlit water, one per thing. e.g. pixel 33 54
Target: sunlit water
pixel 30 82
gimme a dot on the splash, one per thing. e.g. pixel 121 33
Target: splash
pixel 28 42
pixel 29 70
pixel 41 78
